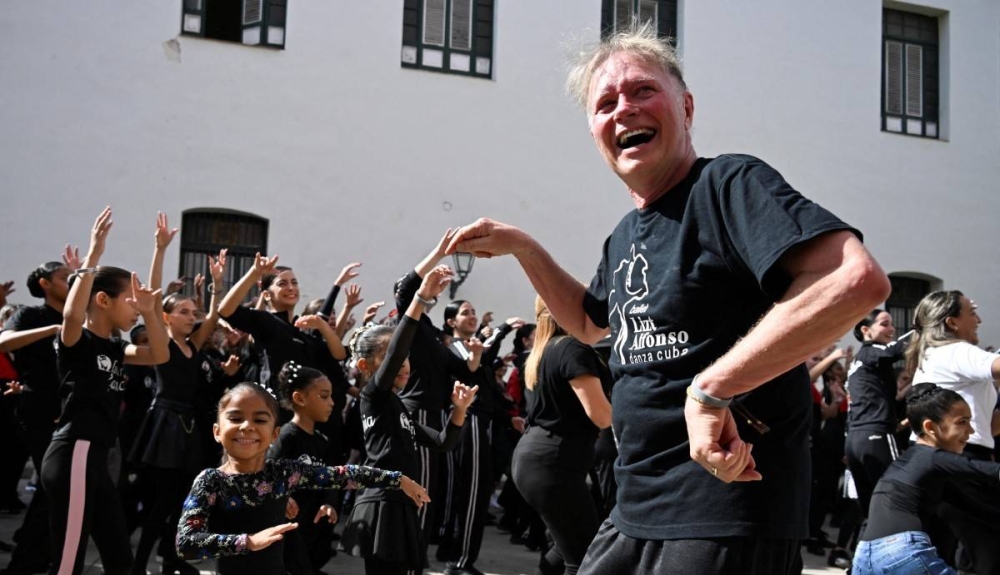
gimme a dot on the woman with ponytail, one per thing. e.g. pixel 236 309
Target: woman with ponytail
pixel 896 540
pixel 569 406
pixel 29 336
pixel 944 350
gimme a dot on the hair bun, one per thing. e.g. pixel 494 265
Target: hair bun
pixel 922 391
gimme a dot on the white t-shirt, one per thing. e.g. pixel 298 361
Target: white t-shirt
pixel 968 371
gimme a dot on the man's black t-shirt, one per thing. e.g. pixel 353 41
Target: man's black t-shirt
pixel 36 364
pixel 93 379
pixel 679 283
pixel 871 384
pixel 554 405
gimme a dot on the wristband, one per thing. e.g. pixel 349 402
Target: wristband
pixel 427 303
pixel 82 271
pixel 696 393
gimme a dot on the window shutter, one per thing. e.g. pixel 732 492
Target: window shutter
pixel 252 18
pixel 461 24
pixel 276 15
pixel 434 20
pixel 894 77
pixel 914 81
pixel 193 17
pixel 623 14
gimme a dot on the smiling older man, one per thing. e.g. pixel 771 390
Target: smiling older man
pixel 714 290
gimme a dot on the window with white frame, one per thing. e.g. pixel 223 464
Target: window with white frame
pixel 910 73
pixel 452 36
pixel 250 22
pixel 619 15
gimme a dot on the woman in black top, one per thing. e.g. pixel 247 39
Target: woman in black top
pixel 383 527
pixel 569 406
pixel 29 336
pixel 82 495
pixel 871 419
pixel 280 332
pixel 168 446
pixel 895 540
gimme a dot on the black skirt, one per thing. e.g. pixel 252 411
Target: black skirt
pixel 168 438
pixel 384 524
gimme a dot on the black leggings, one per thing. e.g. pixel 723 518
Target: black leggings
pixel 170 487
pixel 83 503
pixel 869 454
pixel 551 474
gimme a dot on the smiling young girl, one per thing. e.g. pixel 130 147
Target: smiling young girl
pixel 895 540
pixel 82 495
pixel 237 511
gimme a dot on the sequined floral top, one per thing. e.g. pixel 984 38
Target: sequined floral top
pixel 223 509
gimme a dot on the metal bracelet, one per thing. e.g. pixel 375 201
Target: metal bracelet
pixel 696 393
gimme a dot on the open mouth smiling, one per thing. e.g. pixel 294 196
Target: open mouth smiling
pixel 636 137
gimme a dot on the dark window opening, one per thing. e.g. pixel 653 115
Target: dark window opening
pixel 206 231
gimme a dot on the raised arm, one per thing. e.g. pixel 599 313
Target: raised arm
pixel 351 300
pixel 562 292
pixel 347 274
pixel 217 267
pixel 148 303
pixel 75 310
pixel 261 266
pixel 163 236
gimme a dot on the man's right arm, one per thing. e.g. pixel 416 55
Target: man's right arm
pixel 563 294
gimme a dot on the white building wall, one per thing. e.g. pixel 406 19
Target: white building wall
pixel 352 157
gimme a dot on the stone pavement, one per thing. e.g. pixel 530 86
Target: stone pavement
pixel 498 556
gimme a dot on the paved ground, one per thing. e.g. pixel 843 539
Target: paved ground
pixel 498 556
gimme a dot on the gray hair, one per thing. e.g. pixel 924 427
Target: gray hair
pixel 930 325
pixel 640 40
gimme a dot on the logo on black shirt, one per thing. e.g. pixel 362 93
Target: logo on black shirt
pixel 116 372
pixel 639 339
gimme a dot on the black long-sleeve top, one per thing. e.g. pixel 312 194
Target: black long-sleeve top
pixel 391 435
pixel 281 340
pixel 490 400
pixel 433 368
pixel 871 384
pixel 913 485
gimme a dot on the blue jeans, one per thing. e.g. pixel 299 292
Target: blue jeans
pixel 908 553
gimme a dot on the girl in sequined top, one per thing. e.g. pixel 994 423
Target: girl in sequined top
pixel 237 512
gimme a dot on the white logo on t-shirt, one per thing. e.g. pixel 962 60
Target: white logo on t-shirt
pixel 638 335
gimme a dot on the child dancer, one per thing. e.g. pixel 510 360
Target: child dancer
pixel 237 512
pixel 895 540
pixel 82 495
pixel 309 394
pixel 383 528
pixel 168 445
